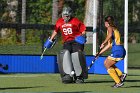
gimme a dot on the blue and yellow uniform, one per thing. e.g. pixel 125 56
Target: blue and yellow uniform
pixel 118 52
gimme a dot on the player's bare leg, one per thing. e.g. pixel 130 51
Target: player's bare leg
pixel 111 71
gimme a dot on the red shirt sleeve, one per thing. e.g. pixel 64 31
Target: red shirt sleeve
pixel 82 27
pixel 58 24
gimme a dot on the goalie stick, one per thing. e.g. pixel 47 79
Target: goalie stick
pixel 54 42
pixel 41 57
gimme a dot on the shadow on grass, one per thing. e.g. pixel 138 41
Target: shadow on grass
pixel 132 80
pixel 132 87
pixel 92 81
pixel 7 88
pixel 129 81
pixel 73 92
pixel 134 75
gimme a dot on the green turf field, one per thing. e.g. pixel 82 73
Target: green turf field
pixel 51 83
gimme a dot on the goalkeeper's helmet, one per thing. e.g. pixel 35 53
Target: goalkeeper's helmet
pixel 66 14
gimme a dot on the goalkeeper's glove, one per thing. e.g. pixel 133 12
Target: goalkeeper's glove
pixel 48 43
pixel 81 39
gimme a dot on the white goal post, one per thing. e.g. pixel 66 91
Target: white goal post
pixel 126 36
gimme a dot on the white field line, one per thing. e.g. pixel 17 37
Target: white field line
pixel 22 75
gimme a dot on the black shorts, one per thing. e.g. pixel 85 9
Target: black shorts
pixel 73 46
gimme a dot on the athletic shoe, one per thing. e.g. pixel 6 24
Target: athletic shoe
pixel 123 77
pixel 79 80
pixel 67 79
pixel 113 85
pixel 118 85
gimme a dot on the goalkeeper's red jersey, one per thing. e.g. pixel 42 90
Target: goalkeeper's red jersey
pixel 71 29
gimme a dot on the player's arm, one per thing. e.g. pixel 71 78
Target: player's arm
pixel 82 29
pixel 110 30
pixel 53 35
pixel 83 33
pixel 50 41
pixel 108 46
pixel 82 37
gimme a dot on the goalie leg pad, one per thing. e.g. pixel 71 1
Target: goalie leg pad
pixel 79 64
pixel 65 66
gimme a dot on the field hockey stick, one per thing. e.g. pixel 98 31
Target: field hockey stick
pixel 93 61
pixel 54 42
pixel 41 57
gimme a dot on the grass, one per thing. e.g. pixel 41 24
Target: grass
pixel 51 83
pixel 134 55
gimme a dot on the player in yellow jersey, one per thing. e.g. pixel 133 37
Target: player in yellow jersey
pixel 112 41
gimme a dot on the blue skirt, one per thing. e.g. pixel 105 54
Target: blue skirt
pixel 118 51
